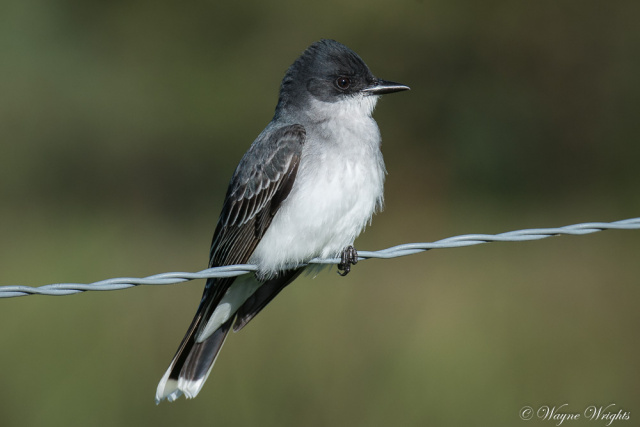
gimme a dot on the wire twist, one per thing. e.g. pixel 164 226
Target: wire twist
pixel 392 252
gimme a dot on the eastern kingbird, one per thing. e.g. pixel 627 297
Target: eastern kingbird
pixel 306 188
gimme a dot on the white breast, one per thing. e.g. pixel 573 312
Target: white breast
pixel 338 187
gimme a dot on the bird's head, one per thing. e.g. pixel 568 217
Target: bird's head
pixel 329 72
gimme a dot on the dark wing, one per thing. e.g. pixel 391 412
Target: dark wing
pixel 263 296
pixel 262 180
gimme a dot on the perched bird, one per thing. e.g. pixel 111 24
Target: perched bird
pixel 306 188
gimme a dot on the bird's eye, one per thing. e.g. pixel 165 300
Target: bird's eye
pixel 343 83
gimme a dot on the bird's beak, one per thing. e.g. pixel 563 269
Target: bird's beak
pixel 380 87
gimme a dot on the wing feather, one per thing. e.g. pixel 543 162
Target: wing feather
pixel 261 182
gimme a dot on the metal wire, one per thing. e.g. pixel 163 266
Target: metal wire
pixel 393 252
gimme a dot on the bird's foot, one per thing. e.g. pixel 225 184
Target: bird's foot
pixel 348 258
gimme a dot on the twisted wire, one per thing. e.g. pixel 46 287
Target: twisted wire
pixel 392 252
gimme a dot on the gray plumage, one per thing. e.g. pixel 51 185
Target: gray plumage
pixel 306 187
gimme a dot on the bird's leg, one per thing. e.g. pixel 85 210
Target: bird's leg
pixel 348 258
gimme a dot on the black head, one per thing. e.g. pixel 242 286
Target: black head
pixel 329 71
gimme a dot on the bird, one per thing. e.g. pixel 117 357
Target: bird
pixel 307 187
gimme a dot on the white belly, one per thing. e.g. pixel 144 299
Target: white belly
pixel 333 198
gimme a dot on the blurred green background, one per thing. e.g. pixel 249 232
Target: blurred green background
pixel 122 122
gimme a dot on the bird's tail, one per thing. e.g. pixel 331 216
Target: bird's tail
pixel 195 357
pixel 192 363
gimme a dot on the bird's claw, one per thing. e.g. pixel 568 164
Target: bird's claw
pixel 348 258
